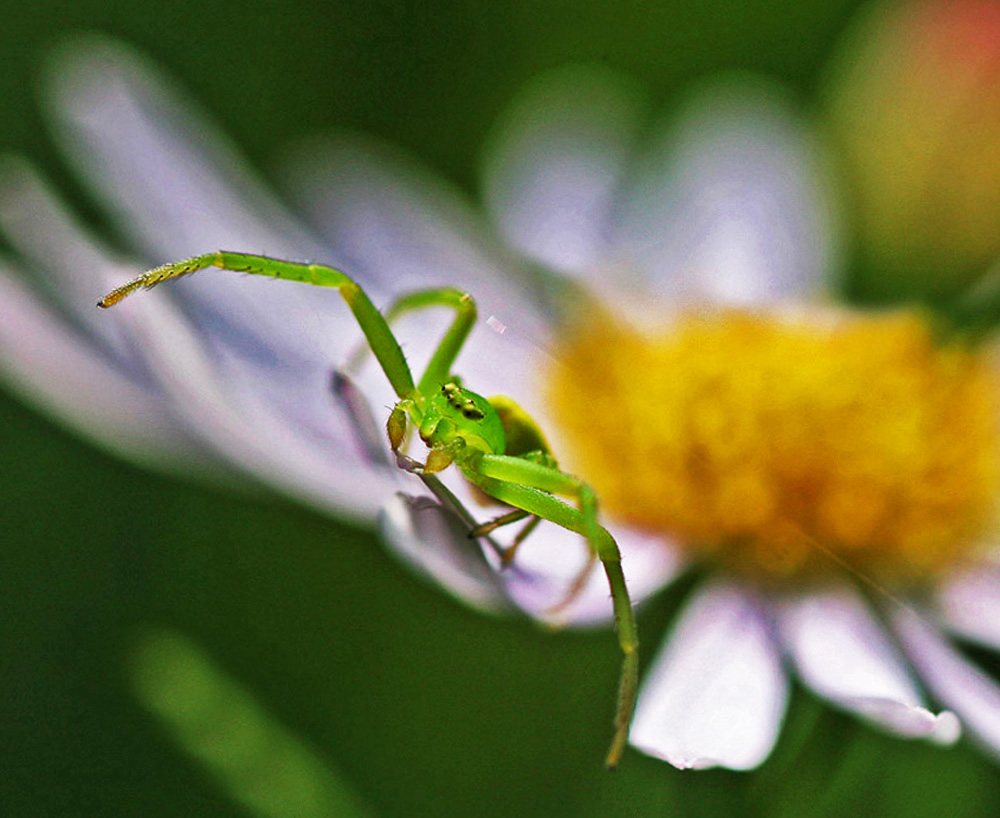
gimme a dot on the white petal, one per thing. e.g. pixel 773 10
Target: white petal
pixel 552 558
pixel 554 168
pixel 74 269
pixel 180 189
pixel 42 229
pixel 58 369
pixel 716 694
pixel 953 680
pixel 842 652
pixel 969 603
pixel 732 205
pixel 40 226
pixel 436 542
pixel 177 185
pixel 223 399
pixel 404 227
pixel 72 266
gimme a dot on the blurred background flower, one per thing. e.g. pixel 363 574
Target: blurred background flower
pixel 331 637
pixel 913 99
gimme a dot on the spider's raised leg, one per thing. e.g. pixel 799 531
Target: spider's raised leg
pixel 530 486
pixel 373 324
pixel 380 338
pixel 439 366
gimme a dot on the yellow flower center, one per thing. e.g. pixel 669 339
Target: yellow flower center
pixel 786 446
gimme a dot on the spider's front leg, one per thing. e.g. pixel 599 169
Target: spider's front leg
pixel 530 486
pixel 380 339
pixel 373 324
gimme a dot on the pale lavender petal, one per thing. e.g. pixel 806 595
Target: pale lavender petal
pixel 405 228
pixel 72 267
pixel 175 183
pixel 292 387
pixel 716 694
pixel 552 558
pixel 179 189
pixel 225 400
pixel 42 229
pixel 77 269
pixel 969 603
pixel 555 165
pixel 58 369
pixel 951 678
pixel 733 204
pixel 369 435
pixel 435 541
pixel 842 652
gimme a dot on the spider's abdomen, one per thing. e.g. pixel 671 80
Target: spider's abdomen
pixel 522 433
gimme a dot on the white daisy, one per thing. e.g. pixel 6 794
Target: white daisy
pixel 662 300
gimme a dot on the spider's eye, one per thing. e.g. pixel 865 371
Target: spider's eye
pixel 456 400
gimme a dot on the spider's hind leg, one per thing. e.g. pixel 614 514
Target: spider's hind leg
pixel 508 518
pixel 575 587
pixel 573 590
pixel 531 486
pixel 511 550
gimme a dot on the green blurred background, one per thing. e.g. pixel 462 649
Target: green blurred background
pixel 424 707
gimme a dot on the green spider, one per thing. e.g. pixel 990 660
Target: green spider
pixel 493 442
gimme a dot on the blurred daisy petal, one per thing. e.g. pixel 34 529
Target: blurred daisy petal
pixel 48 237
pixel 222 399
pixel 969 603
pixel 436 542
pixel 399 223
pixel 953 680
pixel 716 694
pixel 552 559
pixel 555 166
pixel 58 369
pixel 173 180
pixel 842 652
pixel 732 205
pixel 43 230
pixel 178 188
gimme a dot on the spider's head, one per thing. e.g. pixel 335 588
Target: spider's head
pixel 455 412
